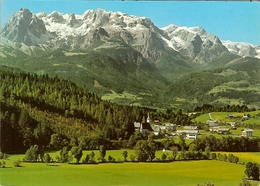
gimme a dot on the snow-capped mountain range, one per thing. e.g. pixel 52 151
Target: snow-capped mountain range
pixel 73 32
pixel 112 52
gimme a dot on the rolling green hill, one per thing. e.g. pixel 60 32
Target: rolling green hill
pixel 236 84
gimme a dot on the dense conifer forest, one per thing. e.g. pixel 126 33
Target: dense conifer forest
pixel 34 107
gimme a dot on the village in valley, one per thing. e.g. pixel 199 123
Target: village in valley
pixel 158 129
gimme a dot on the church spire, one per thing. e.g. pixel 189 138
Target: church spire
pixel 149 120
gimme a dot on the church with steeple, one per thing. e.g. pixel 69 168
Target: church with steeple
pixel 145 127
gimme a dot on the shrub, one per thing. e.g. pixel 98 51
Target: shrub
pixel 252 170
pixel 213 156
pixel 111 159
pixel 17 163
pixel 47 158
pixel 164 156
pixel 132 157
pixel 2 164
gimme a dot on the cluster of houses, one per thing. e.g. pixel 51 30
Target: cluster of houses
pixel 245 117
pixel 147 128
pixel 215 128
pixel 157 129
pixel 191 132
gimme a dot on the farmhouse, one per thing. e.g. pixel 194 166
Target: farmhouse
pixel 219 130
pixel 245 117
pixel 156 130
pixel 233 124
pixel 212 123
pixel 190 128
pixel 170 126
pixel 247 132
pixel 192 114
pixel 231 116
pixel 189 134
pixel 137 126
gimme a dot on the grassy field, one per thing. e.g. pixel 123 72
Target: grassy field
pixel 245 157
pixel 188 173
pixel 223 120
pixel 222 117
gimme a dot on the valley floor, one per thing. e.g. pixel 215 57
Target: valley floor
pixel 188 173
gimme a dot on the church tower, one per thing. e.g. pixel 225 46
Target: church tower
pixel 149 120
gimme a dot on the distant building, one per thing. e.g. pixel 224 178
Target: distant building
pixel 231 116
pixel 170 126
pixel 149 120
pixel 137 126
pixel 144 128
pixel 245 117
pixel 192 114
pixel 212 123
pixel 156 130
pixel 233 124
pixel 219 130
pixel 247 132
pixel 190 128
pixel 189 134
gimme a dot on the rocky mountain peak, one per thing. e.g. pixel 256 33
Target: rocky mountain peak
pixel 25 27
pixel 138 32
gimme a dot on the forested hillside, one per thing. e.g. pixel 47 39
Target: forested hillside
pixel 233 84
pixel 33 108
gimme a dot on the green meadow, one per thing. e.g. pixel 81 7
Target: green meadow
pixel 188 173
pixel 245 157
pixel 222 117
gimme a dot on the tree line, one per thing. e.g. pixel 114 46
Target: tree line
pixel 206 108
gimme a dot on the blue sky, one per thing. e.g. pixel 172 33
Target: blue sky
pixel 235 21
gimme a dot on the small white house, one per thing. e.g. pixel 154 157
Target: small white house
pixel 137 126
pixel 219 130
pixel 170 126
pixel 247 132
pixel 189 134
pixel 245 117
pixel 190 128
pixel 157 130
pixel 233 124
pixel 212 123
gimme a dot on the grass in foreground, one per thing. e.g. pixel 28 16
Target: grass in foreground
pixel 177 173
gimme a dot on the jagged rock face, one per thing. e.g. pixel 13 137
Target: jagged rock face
pixel 81 32
pixel 242 49
pixel 25 27
pixel 195 43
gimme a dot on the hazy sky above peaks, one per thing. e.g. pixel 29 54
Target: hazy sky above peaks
pixel 229 20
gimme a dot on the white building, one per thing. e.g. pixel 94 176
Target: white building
pixel 149 120
pixel 212 123
pixel 219 130
pixel 189 134
pixel 170 126
pixel 190 128
pixel 247 132
pixel 233 124
pixel 144 128
pixel 156 130
pixel 137 126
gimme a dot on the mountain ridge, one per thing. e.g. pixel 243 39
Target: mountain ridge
pixel 112 52
pixel 61 26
